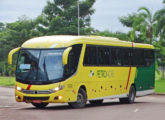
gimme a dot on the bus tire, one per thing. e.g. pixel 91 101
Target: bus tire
pixel 96 102
pixel 40 105
pixel 81 100
pixel 131 97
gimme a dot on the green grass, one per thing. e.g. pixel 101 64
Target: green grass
pixel 160 86
pixel 7 81
pixel 158 76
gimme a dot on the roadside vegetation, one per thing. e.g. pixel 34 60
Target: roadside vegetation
pixel 160 86
pixel 7 81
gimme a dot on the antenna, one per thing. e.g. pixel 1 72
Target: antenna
pixel 78 17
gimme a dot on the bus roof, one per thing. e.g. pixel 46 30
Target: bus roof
pixel 58 41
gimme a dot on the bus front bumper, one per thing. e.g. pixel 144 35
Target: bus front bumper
pixel 56 97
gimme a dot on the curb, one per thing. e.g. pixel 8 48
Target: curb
pixel 163 94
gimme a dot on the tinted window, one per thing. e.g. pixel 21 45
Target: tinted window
pixel 103 56
pixel 149 57
pixel 127 56
pixel 90 55
pixel 138 57
pixel 116 57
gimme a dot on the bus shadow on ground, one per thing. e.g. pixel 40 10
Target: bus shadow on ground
pixel 67 107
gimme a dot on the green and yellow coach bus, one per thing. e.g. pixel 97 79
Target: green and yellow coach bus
pixel 77 69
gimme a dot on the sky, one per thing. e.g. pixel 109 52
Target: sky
pixel 105 17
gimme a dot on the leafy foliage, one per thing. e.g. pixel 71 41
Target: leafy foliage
pixel 142 25
pixel 119 35
pixel 61 17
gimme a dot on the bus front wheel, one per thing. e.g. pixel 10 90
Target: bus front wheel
pixel 131 97
pixel 81 99
pixel 40 105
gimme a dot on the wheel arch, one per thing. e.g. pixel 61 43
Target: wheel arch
pixel 84 88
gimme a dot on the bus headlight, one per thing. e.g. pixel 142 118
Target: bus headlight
pixel 18 88
pixel 57 88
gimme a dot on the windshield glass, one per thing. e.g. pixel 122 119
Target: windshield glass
pixel 40 66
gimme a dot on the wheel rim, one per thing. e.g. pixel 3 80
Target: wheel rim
pixel 80 98
pixel 132 95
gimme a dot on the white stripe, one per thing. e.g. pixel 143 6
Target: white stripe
pixel 145 92
pixel 111 97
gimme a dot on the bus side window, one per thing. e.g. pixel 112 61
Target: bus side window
pixel 116 57
pixel 103 56
pixel 149 57
pixel 138 57
pixel 90 56
pixel 127 56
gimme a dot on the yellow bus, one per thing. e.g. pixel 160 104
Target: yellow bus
pixel 77 69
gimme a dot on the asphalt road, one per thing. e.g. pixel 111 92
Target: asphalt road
pixel 145 108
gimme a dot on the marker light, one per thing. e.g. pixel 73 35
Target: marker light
pixel 59 97
pixel 18 88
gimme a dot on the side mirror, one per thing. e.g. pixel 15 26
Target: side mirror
pixel 11 53
pixel 65 55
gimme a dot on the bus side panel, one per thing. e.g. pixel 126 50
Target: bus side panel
pixel 107 81
pixel 145 78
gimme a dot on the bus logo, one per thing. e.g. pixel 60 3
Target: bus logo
pixel 91 73
pixel 105 73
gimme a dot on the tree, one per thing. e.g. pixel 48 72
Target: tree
pixel 160 27
pixel 1 26
pixel 142 25
pixel 119 35
pixel 149 21
pixel 134 21
pixel 160 55
pixel 160 32
pixel 13 35
pixel 61 17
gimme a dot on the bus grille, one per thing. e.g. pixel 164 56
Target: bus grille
pixel 37 91
pixel 36 98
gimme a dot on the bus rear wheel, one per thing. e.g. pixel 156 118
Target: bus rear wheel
pixel 131 97
pixel 81 99
pixel 96 102
pixel 40 105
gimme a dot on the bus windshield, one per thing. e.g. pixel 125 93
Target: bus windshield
pixel 40 66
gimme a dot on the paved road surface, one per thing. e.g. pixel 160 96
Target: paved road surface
pixel 145 108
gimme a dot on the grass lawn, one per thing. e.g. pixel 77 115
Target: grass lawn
pixel 7 81
pixel 160 86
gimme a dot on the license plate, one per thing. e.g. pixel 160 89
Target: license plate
pixel 36 101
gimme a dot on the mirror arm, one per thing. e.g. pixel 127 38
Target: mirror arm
pixel 11 53
pixel 65 56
